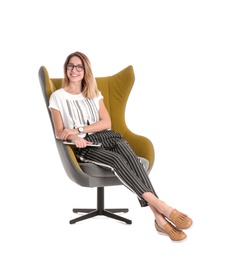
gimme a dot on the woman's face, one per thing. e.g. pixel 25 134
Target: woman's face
pixel 75 69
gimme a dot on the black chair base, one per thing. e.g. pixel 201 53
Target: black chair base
pixel 100 210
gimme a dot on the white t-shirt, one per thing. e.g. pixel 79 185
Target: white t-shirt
pixel 76 110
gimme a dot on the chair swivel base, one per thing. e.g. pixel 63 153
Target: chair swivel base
pixel 100 210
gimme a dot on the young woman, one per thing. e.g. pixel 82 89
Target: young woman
pixel 79 115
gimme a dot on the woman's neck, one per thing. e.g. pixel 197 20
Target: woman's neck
pixel 73 89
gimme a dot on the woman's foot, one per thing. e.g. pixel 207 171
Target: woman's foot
pixel 171 231
pixel 180 220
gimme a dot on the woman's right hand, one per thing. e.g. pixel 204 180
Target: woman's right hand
pixel 80 142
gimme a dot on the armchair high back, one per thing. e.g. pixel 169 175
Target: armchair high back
pixel 116 90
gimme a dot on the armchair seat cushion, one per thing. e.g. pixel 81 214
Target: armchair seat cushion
pixel 103 173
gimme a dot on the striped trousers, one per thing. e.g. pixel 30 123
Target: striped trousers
pixel 117 153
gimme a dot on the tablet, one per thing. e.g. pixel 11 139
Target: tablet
pixel 93 144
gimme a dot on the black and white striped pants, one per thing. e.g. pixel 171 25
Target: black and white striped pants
pixel 118 154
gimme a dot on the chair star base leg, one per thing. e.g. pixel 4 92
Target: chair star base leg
pixel 96 212
pixel 100 210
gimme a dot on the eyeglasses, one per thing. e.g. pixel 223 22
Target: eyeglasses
pixel 78 67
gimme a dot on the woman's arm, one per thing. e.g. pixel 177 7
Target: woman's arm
pixel 72 134
pixel 65 133
pixel 61 132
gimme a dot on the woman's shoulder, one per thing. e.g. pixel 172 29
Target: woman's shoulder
pixel 58 92
pixel 99 95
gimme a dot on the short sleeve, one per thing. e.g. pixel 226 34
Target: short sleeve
pixel 53 102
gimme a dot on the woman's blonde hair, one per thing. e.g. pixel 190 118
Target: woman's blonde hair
pixel 89 85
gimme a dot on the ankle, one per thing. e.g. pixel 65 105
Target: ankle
pixel 168 211
pixel 164 209
pixel 161 221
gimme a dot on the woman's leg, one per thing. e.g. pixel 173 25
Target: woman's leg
pixel 160 218
pixel 158 204
pixel 117 153
pixel 162 211
pixel 124 149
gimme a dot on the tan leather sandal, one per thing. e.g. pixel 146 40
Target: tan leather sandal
pixel 179 219
pixel 171 231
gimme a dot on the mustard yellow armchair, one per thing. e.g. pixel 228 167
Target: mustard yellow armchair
pixel 116 90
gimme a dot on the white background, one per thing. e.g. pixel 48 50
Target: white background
pixel 181 54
